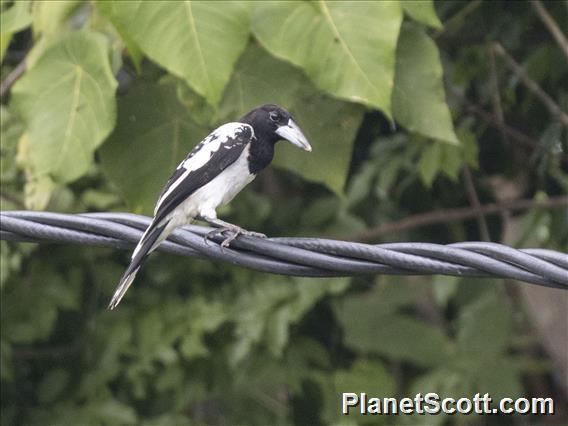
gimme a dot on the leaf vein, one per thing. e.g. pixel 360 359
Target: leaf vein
pixel 197 43
pixel 336 32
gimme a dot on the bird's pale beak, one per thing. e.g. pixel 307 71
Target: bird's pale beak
pixel 292 133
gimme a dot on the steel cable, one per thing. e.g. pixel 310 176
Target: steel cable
pixel 313 257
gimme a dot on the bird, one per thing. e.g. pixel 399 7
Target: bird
pixel 211 175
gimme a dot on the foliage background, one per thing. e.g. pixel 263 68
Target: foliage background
pixel 412 107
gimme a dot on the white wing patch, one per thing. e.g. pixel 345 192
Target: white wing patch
pixel 202 152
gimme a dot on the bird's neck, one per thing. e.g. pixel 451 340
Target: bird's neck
pixel 260 154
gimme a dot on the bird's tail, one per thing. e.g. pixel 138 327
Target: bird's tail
pixel 153 236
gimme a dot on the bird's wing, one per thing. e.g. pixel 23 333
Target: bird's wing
pixel 207 160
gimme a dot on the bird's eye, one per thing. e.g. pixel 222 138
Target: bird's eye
pixel 274 116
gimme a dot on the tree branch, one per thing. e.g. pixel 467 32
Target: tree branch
pixel 495 122
pixel 458 17
pixel 531 84
pixel 496 96
pixel 453 215
pixel 12 77
pixel 474 202
pixel 551 25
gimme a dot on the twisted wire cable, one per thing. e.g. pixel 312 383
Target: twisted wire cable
pixel 312 257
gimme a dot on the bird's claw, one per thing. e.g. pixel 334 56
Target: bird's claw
pixel 213 233
pixel 230 239
pixel 235 232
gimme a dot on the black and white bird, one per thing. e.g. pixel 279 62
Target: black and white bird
pixel 216 170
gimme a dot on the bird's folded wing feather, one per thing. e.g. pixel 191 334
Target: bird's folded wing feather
pixel 206 161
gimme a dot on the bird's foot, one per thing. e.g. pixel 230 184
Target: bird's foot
pixel 213 233
pixel 235 232
pixel 240 231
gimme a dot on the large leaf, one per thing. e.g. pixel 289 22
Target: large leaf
pixel 329 124
pixel 484 326
pixel 67 102
pixel 346 48
pixel 154 133
pixel 199 41
pixel 418 101
pixel 14 18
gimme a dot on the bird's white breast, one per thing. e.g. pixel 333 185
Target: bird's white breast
pixel 220 191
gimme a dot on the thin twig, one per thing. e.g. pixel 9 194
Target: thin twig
pixel 459 16
pixel 496 97
pixel 474 202
pixel 500 116
pixel 494 121
pixel 505 128
pixel 551 25
pixel 531 84
pixel 12 77
pixel 453 215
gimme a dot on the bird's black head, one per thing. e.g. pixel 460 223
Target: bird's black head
pixel 272 123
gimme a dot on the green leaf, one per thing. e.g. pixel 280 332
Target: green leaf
pixel 108 10
pixel 49 17
pixel 365 376
pixel 372 325
pixel 330 125
pixel 346 48
pixel 430 163
pixel 470 147
pixel 67 103
pixel 197 40
pixel 154 133
pixel 112 411
pixel 452 160
pixel 444 288
pixel 484 326
pixel 422 11
pixel 418 100
pixel 11 129
pixel 267 309
pixel 499 377
pixel 399 337
pixel 37 323
pixel 370 377
pixel 276 334
pixel 38 191
pixel 14 18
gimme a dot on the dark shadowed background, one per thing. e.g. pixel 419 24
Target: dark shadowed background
pixel 412 107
